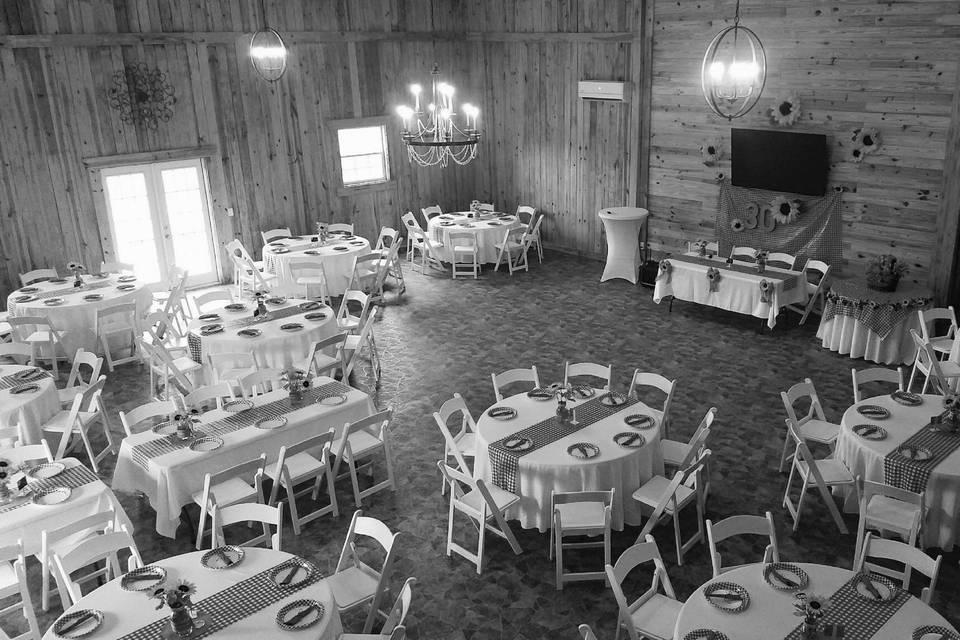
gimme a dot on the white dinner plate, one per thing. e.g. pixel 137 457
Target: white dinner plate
pixel 333 400
pixel 51 496
pixel 45 471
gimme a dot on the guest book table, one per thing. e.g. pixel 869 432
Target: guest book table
pixel 622 226
pixel 488 230
pixel 873 325
pixel 240 601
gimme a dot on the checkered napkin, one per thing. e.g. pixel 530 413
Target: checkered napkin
pixel 141 453
pixel 65 291
pixel 11 381
pixel 789 280
pixel 234 603
pixel 912 475
pixel 861 619
pixel 194 339
pixel 73 478
pixel 504 461
pixel 880 311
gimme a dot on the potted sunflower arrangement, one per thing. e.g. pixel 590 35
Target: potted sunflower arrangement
pixel 177 598
pixel 884 273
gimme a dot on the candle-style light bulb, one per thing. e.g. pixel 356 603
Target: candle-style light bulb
pixel 416 89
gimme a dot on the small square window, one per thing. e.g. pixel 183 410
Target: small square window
pixel 363 155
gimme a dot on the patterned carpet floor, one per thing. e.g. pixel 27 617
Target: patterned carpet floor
pixel 443 336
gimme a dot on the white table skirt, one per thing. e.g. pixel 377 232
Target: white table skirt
pixel 127 611
pixel 771 612
pixel 337 264
pixel 76 317
pixel 29 410
pixel 847 335
pixel 865 458
pixel 488 231
pixel 551 468
pixel 26 522
pixel 736 291
pixel 170 480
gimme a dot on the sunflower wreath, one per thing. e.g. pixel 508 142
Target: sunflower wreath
pixel 785 111
pixel 712 152
pixel 785 210
pixel 866 140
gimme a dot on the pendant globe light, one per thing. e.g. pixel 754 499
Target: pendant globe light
pixel 268 53
pixel 734 70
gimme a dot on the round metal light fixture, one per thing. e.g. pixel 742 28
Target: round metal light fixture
pixel 268 54
pixel 734 70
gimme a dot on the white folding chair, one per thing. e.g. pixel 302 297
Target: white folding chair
pixel 116 267
pixel 782 260
pixel 680 454
pixel 359 442
pixel 220 297
pixel 463 443
pixel 259 382
pixel 348 319
pixel 744 254
pixel 586 633
pixel 823 474
pixel 481 503
pixel 14 585
pixel 118 321
pixel 464 251
pixel 533 235
pixel 252 278
pixel 666 498
pixel 132 419
pixel 365 272
pixel 580 513
pixel 393 628
pixel 816 291
pixel 604 372
pixel 76 381
pixel 812 427
pixel 430 212
pixel 239 256
pixel 911 557
pixel 487 207
pixel 645 380
pixel 30 453
pixel 742 525
pixel 174 305
pixel 275 234
pixel 410 223
pixel 209 396
pixel 310 274
pixel 166 367
pixel 297 464
pixel 942 343
pixel 420 241
pixel 16 352
pixel 888 509
pixel 876 374
pixel 512 250
pixel 240 483
pixel 501 380
pixel 103 548
pixel 355 583
pixel 344 228
pixel 354 344
pixel 231 366
pixel 385 240
pixel 942 375
pixel 64 539
pixel 39 333
pixel 86 410
pixel 653 615
pixel 526 214
pixel 37 275
pixel 319 358
pixel 248 512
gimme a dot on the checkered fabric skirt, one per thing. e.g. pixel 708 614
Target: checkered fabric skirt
pixel 912 475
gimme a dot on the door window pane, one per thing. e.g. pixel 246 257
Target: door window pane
pixel 187 219
pixel 133 224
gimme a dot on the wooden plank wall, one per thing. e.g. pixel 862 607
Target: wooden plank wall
pixel 277 163
pixel 890 65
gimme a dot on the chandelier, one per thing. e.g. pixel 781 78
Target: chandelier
pixel 734 70
pixel 268 53
pixel 432 137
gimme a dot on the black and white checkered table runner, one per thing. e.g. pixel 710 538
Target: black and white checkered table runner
pixel 11 381
pixel 912 475
pixel 194 339
pixel 143 452
pixel 234 603
pixel 504 461
pixel 861 619
pixel 65 291
pixel 73 478
pixel 789 280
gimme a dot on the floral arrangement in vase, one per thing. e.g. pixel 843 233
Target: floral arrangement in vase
pixel 701 247
pixel 177 598
pixel 76 268
pixel 260 298
pixel 884 273
pixel 185 421
pixel 761 258
pixel 811 608
pixel 295 382
pixel 951 412
pixel 322 231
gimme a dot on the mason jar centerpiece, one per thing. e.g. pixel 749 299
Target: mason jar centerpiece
pixel 296 382
pixel 76 268
pixel 182 611
pixel 261 312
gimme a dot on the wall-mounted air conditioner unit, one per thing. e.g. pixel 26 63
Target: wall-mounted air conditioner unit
pixel 601 90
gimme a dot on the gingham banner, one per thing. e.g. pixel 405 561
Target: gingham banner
pixel 67 290
pixel 880 311
pixel 504 461
pixel 789 281
pixel 815 234
pixel 72 478
pixel 861 619
pixel 912 475
pixel 143 452
pixel 10 381
pixel 234 603
pixel 195 340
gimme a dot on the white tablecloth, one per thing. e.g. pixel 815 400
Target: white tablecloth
pixel 551 468
pixel 847 335
pixel 31 409
pixel 274 347
pixel 488 231
pixel 770 613
pixel 127 611
pixel 76 316
pixel 865 458
pixel 736 291
pixel 170 480
pixel 337 255
pixel 28 521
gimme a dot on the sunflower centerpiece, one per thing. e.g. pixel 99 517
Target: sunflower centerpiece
pixel 811 608
pixel 76 269
pixel 182 610
pixel 951 412
pixel 295 382
pixel 260 298
pixel 884 273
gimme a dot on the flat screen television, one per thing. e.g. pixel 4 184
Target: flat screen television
pixel 779 161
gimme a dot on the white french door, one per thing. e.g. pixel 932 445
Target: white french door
pixel 160 217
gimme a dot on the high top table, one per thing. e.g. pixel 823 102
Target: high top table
pixel 622 226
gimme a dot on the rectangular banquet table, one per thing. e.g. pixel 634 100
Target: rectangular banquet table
pixel 171 478
pixel 737 290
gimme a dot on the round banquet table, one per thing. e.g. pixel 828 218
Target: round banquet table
pixel 770 612
pixel 551 468
pixel 853 314
pixel 125 612
pixel 866 458
pixel 75 317
pixel 31 409
pixel 336 254
pixel 488 230
pixel 275 347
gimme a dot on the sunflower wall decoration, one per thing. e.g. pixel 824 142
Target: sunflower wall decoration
pixel 142 95
pixel 866 140
pixel 712 152
pixel 785 111
pixel 784 210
